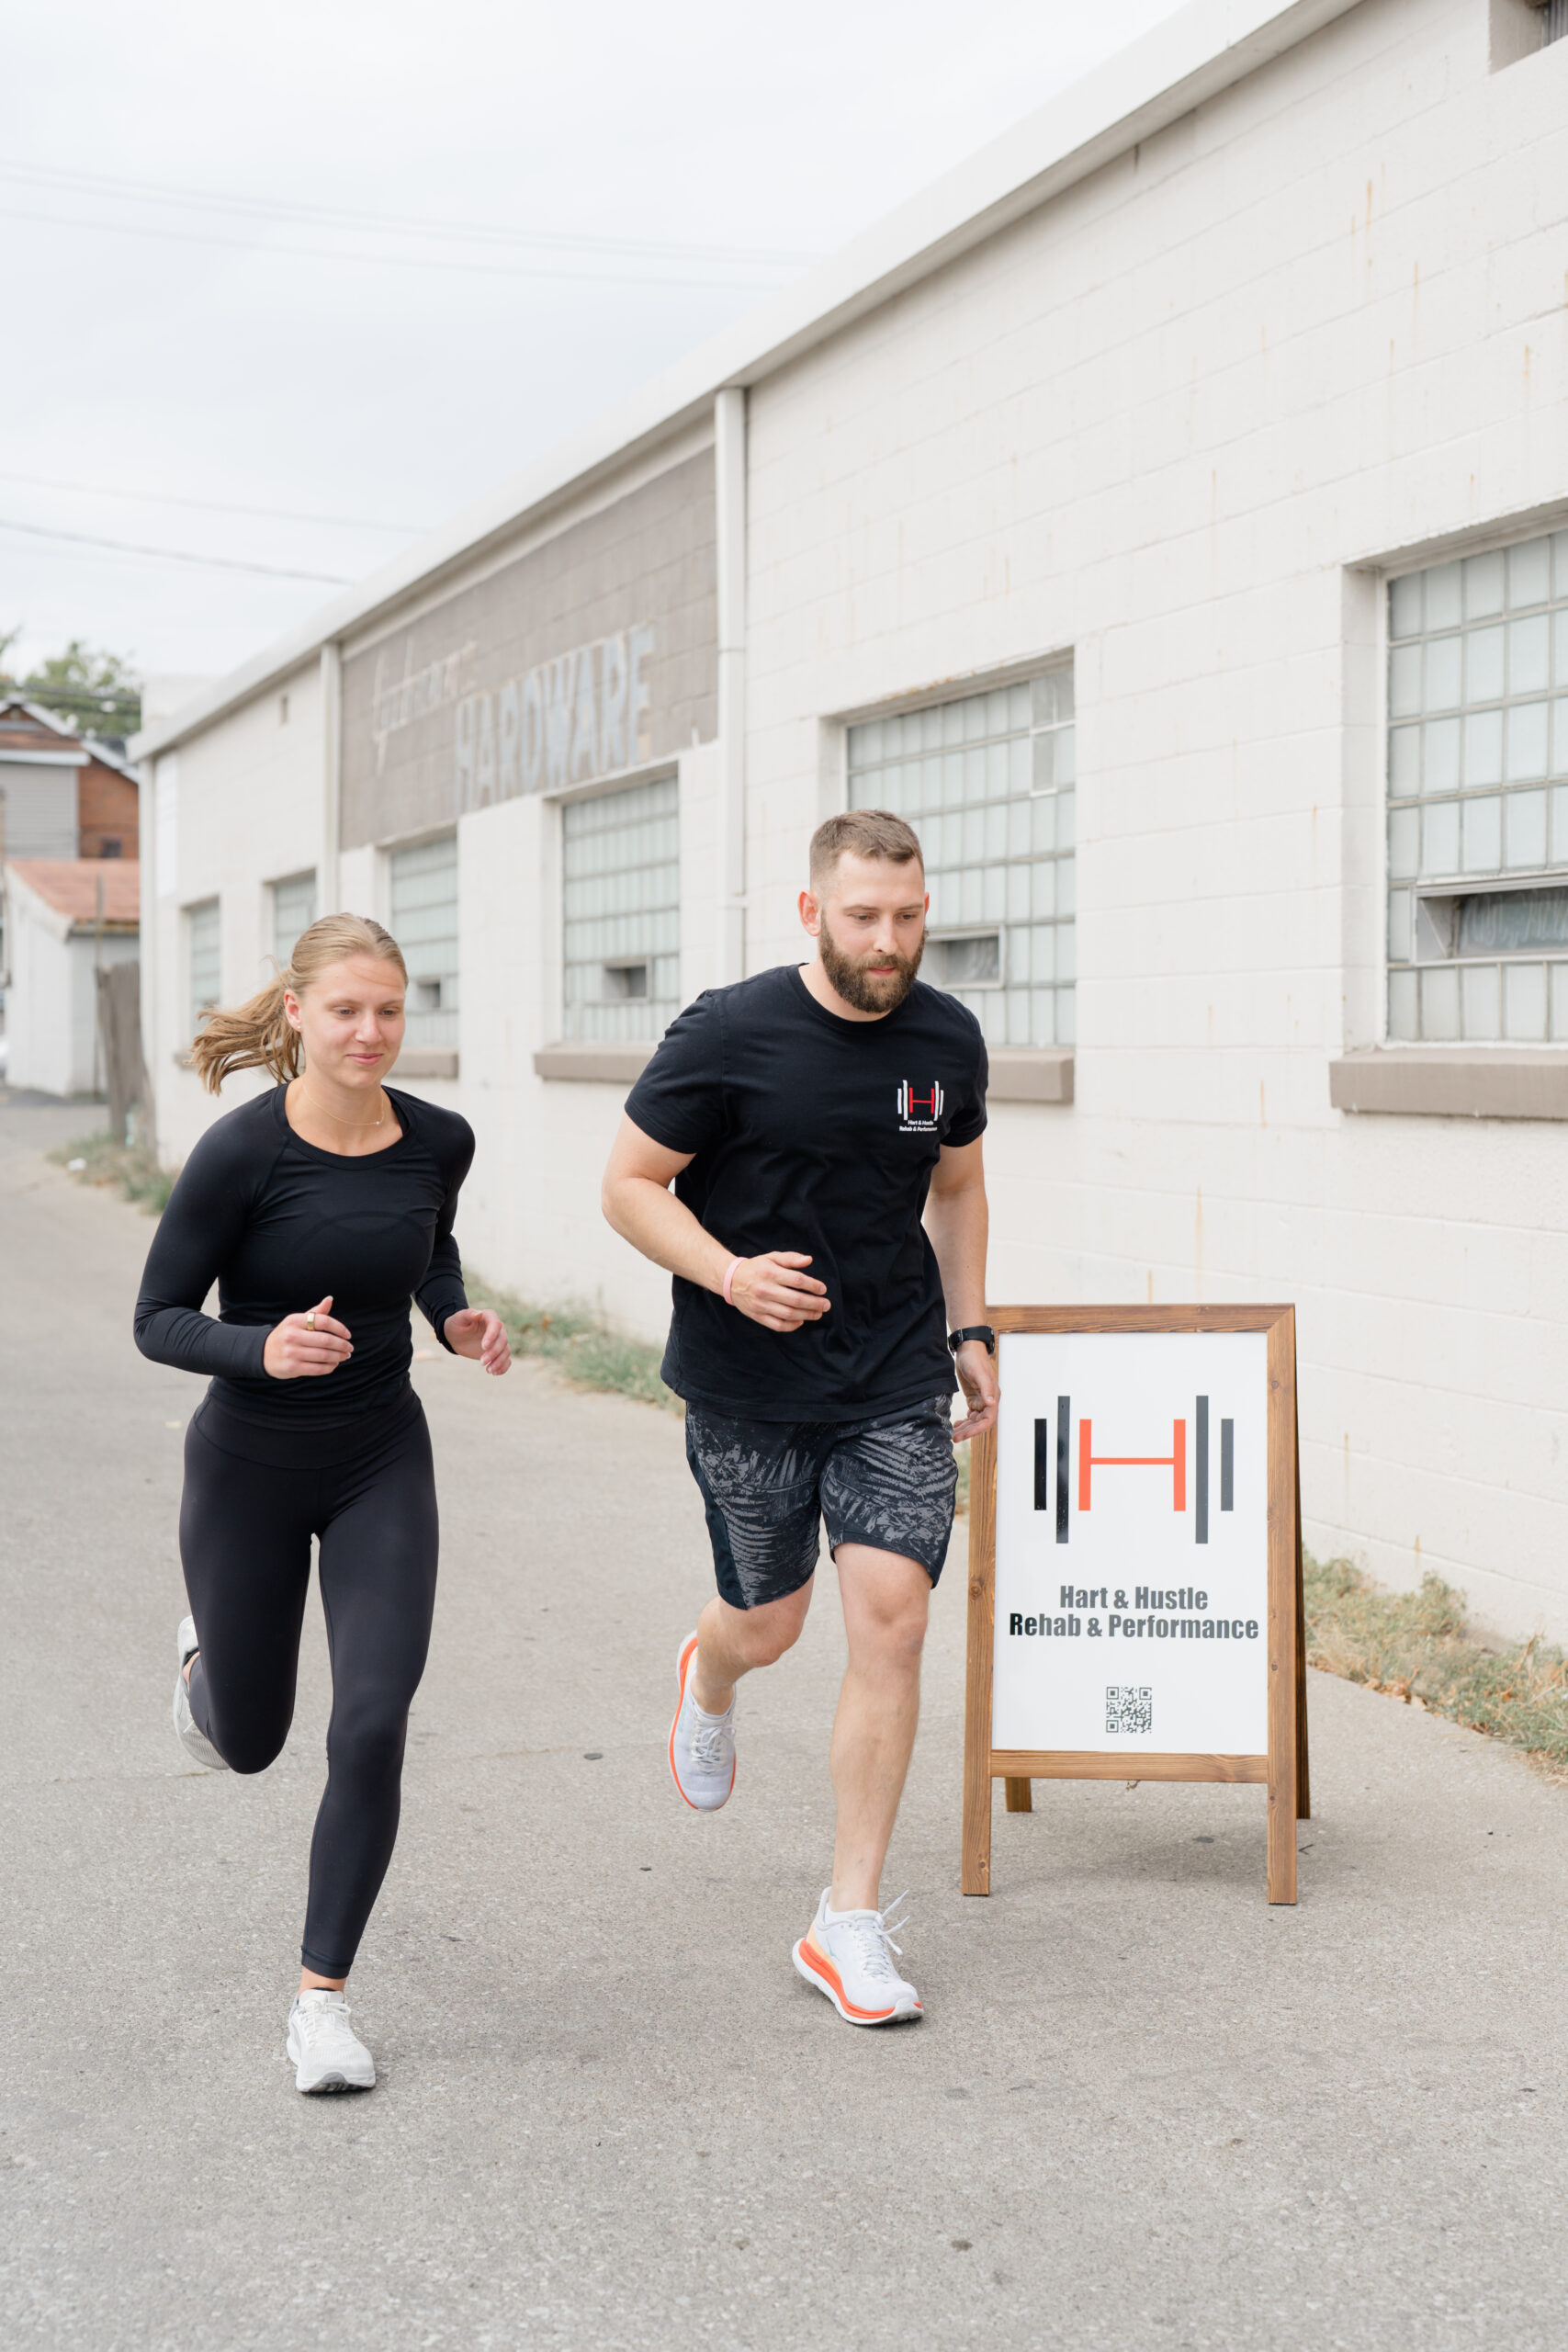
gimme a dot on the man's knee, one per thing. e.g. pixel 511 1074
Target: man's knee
pixel 887 1615
pixel 899 1631
pixel 763 1633
pixel 767 1632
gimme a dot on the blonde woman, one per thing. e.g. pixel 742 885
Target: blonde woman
pixel 321 1209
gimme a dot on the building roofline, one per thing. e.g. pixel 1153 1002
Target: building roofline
pixel 1202 50
pixel 49 879
pixel 87 746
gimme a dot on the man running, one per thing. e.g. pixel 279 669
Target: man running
pixel 808 1118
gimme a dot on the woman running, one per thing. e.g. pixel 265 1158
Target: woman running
pixel 319 1209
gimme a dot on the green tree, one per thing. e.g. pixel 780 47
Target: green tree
pixel 99 693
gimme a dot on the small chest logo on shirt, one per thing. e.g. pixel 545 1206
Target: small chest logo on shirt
pixel 920 1107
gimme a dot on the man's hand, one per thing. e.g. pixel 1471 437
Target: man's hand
pixel 773 1291
pixel 976 1370
pixel 476 1331
pixel 304 1347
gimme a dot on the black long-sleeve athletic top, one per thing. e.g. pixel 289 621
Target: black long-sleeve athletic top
pixel 278 1224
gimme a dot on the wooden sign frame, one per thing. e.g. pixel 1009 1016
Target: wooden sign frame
pixel 1282 1771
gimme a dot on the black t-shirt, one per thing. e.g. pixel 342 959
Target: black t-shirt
pixel 813 1133
pixel 278 1224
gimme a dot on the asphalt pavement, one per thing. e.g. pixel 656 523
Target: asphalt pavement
pixel 1143 2108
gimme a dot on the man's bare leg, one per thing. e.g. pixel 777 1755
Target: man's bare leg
pixel 733 1642
pixel 886 1600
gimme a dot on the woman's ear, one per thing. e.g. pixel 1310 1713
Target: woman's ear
pixel 291 1012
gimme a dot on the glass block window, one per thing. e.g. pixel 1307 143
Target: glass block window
pixel 422 900
pixel 987 783
pixel 293 910
pixel 1478 799
pixel 204 939
pixel 621 856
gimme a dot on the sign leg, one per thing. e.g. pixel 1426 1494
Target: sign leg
pixel 1303 1777
pixel 1021 1795
pixel 974 1873
pixel 1284 1607
pixel 1282 1837
pixel 976 1864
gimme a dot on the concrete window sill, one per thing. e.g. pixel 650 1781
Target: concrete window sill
pixel 1017 1076
pixel 1034 1074
pixel 1451 1082
pixel 605 1064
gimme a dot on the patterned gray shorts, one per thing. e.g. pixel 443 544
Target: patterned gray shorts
pixel 889 1482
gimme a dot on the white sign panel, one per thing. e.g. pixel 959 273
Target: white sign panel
pixel 1132 1578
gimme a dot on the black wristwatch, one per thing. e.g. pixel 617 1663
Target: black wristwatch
pixel 972 1331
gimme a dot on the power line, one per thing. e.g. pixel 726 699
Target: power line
pixel 212 505
pixel 174 555
pixel 393 261
pixel 383 223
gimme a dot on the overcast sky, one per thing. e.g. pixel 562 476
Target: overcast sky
pixel 232 277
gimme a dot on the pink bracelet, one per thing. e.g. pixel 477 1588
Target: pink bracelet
pixel 729 1277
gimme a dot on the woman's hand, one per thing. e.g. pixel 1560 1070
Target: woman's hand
pixel 303 1347
pixel 773 1291
pixel 476 1331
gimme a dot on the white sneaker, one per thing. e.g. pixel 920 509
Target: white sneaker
pixel 702 1748
pixel 849 1956
pixel 194 1742
pixel 328 2054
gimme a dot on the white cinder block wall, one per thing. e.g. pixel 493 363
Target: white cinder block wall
pixel 247 810
pixel 1180 423
pixel 1177 421
pixel 531 1208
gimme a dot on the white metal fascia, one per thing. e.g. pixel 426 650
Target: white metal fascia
pixel 1203 49
pixel 11 759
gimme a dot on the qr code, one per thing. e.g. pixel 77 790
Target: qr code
pixel 1128 1709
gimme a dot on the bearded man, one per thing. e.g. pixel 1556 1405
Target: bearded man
pixel 820 1124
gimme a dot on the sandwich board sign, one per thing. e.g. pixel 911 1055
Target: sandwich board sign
pixel 1135 1563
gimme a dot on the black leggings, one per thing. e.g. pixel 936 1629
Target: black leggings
pixel 245 1530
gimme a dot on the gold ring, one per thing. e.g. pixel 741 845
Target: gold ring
pixel 310 1320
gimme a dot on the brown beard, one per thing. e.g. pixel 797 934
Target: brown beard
pixel 868 992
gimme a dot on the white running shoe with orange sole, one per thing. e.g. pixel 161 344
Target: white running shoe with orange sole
pixel 702 1748
pixel 849 1956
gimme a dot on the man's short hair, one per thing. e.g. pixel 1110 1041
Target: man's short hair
pixel 864 832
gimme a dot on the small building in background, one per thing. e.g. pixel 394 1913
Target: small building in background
pixel 59 794
pixel 67 919
pixel 61 798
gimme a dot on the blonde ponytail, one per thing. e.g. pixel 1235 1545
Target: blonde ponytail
pixel 259 1035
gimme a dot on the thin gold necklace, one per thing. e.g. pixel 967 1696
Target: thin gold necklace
pixel 353 1126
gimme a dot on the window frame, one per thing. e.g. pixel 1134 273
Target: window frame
pixel 213 903
pixel 1058 659
pixel 282 882
pixel 568 796
pixel 1445 889
pixel 418 1043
